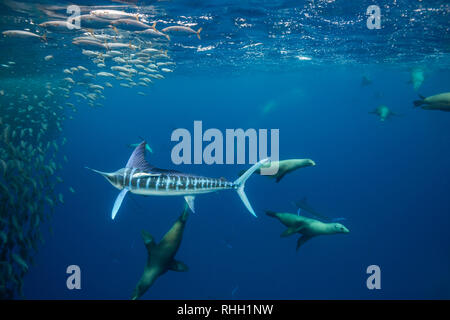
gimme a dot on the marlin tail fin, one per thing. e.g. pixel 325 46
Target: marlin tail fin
pixel 240 182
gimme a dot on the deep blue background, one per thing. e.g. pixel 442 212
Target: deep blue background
pixel 390 180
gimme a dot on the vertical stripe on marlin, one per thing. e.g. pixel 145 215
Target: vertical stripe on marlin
pixel 131 177
pixel 137 183
pixel 148 182
pixel 162 183
pixel 183 183
pixel 174 183
pixel 178 182
pixel 157 183
pixel 168 181
pixel 125 177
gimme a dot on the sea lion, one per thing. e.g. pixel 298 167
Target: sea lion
pixel 303 205
pixel 365 81
pixel 147 147
pixel 417 78
pixel 307 227
pixel 285 167
pixel 439 101
pixel 383 112
pixel 161 256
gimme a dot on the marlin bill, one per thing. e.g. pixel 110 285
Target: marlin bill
pixel 140 177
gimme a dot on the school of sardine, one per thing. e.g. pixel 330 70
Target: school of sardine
pixel 114 48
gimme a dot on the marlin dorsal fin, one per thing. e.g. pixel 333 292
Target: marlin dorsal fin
pixel 137 158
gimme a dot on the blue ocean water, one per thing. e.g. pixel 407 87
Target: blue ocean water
pixel 388 179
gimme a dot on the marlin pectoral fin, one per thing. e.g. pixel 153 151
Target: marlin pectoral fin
pixel 118 202
pixel 190 202
pixel 178 266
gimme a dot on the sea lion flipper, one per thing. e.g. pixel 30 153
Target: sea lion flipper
pixel 271 213
pixel 280 176
pixel 291 231
pixel 178 266
pixel 148 240
pixel 420 102
pixel 301 241
pixel 185 214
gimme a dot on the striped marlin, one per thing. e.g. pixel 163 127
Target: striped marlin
pixel 140 177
